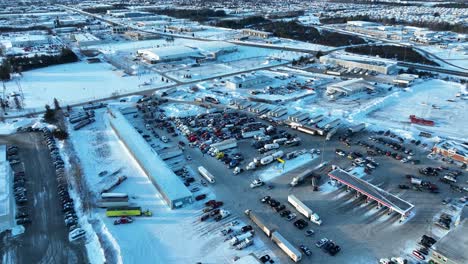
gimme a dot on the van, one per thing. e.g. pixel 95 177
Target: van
pixel 76 234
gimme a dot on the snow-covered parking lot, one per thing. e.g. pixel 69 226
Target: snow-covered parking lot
pixel 169 236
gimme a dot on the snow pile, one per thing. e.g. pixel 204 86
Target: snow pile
pixel 277 169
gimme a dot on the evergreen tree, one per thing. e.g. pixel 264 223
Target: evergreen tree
pixel 56 104
pixel 49 115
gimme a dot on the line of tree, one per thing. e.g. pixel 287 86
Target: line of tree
pixel 38 61
pixel 103 9
pixel 6 29
pixel 242 23
pixel 200 15
pixel 5 70
pixel 406 54
pixel 294 30
pixel 432 25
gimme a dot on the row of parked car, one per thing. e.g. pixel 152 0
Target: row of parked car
pixel 68 206
pixel 19 188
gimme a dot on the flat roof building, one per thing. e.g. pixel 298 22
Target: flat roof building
pixel 168 184
pixel 172 53
pixel 365 63
pixel 451 249
pixel 85 39
pixel 349 87
pixel 6 196
pixel 256 33
pixel 452 149
pixel 247 81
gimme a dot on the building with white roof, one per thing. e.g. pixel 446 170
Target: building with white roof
pixel 349 87
pixel 360 62
pixel 247 81
pixel 6 197
pixel 172 53
pixel 85 39
pixel 24 40
pixel 168 184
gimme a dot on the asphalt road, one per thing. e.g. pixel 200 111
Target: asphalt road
pixel 46 239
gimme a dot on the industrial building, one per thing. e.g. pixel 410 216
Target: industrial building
pixel 247 81
pixel 119 29
pixel 354 62
pixel 24 40
pixel 171 188
pixel 6 197
pixel 85 39
pixel 215 48
pixel 256 33
pixel 349 87
pixel 451 249
pixel 136 35
pixel 405 79
pixel 165 54
pixel 452 149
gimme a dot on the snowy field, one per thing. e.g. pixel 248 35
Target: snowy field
pixel 450 54
pixel 78 82
pixel 169 236
pixel 428 100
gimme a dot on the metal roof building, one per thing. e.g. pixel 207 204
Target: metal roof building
pixel 372 192
pixel 171 188
pixel 451 249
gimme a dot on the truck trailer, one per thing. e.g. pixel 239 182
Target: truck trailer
pixel 126 211
pixel 206 174
pixel 301 177
pixel 259 222
pixel 286 246
pixel 303 209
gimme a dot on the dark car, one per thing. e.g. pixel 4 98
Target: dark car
pixel 285 213
pixel 306 250
pixel 279 208
pixel 246 228
pixel 265 199
pixel 300 224
pixel 200 197
pixel 23 221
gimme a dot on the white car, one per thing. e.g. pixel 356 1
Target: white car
pixel 256 183
pixel 291 216
pixel 76 234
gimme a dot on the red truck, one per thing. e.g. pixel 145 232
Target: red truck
pixel 420 121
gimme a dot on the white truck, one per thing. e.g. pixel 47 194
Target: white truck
pixel 303 209
pixel 271 146
pixel 286 246
pixel 223 145
pixel 251 134
pixel 221 215
pixel 245 243
pixel 301 177
pixel 256 183
pixel 251 166
pixel 206 174
pixel 237 239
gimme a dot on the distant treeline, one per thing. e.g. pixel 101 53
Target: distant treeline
pixel 20 29
pixel 406 54
pixel 369 2
pixel 293 30
pixel 436 26
pixel 103 9
pixel 200 15
pixel 28 63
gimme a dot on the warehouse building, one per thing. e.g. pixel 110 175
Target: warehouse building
pixel 256 33
pixel 165 54
pixel 451 249
pixel 85 39
pixel 354 62
pixel 349 87
pixel 6 196
pixel 247 81
pixel 452 149
pixel 24 40
pixel 168 184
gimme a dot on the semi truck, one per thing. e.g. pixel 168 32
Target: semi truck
pixel 112 203
pixel 301 177
pixel 332 124
pixel 206 174
pixel 250 134
pixel 286 246
pixel 356 128
pixel 303 209
pixel 237 239
pixel 83 123
pixel 259 222
pixel 223 145
pixel 108 195
pixel 127 211
pixel 316 119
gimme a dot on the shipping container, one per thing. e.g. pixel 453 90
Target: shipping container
pixel 206 174
pixel 286 246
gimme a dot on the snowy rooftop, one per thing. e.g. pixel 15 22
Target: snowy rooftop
pixel 353 84
pixel 158 171
pixel 171 51
pixel 459 148
pixel 372 191
pixel 213 46
pixel 453 246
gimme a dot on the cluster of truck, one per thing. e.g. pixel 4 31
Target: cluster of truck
pixel 276 237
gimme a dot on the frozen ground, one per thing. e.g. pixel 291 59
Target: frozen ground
pixel 169 236
pixel 450 54
pixel 77 82
pixel 427 100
